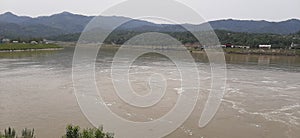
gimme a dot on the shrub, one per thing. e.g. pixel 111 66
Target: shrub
pixel 74 132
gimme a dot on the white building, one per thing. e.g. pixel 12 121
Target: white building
pixel 5 40
pixel 295 46
pixel 33 42
pixel 265 46
pixel 244 47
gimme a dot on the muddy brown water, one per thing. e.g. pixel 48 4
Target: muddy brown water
pixel 262 98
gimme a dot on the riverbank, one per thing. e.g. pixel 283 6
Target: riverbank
pixel 15 47
pixel 272 52
pixel 254 51
pixel 279 52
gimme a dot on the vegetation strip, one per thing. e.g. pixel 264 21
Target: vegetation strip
pixel 28 47
pixel 71 132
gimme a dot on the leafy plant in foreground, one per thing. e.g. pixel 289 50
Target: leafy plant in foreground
pixel 74 132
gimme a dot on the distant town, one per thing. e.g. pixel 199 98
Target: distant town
pixel 27 41
pixel 11 45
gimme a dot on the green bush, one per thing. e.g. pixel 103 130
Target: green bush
pixel 74 132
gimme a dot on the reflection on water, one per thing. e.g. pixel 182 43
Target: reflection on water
pixel 284 62
pixel 262 98
pixel 263 60
pixel 59 57
pixel 288 63
pixel 275 61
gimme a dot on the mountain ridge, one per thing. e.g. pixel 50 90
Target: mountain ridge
pixel 68 23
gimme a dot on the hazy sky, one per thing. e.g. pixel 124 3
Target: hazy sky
pixel 271 10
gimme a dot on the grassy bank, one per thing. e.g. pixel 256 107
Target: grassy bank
pixel 282 52
pixel 27 47
pixel 255 51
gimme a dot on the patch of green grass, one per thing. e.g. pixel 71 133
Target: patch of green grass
pixel 19 46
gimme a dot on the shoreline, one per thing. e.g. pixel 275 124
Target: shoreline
pixel 268 52
pixel 19 47
pixel 265 54
pixel 31 50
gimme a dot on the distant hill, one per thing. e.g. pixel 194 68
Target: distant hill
pixel 57 24
pixel 12 30
pixel 67 23
pixel 284 27
pixel 9 17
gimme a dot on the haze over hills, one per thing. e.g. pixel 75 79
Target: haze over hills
pixel 12 25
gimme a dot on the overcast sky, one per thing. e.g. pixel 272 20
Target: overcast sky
pixel 271 10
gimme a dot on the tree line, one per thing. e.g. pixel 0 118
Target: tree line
pixel 225 37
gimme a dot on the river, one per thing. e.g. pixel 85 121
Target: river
pixel 262 96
